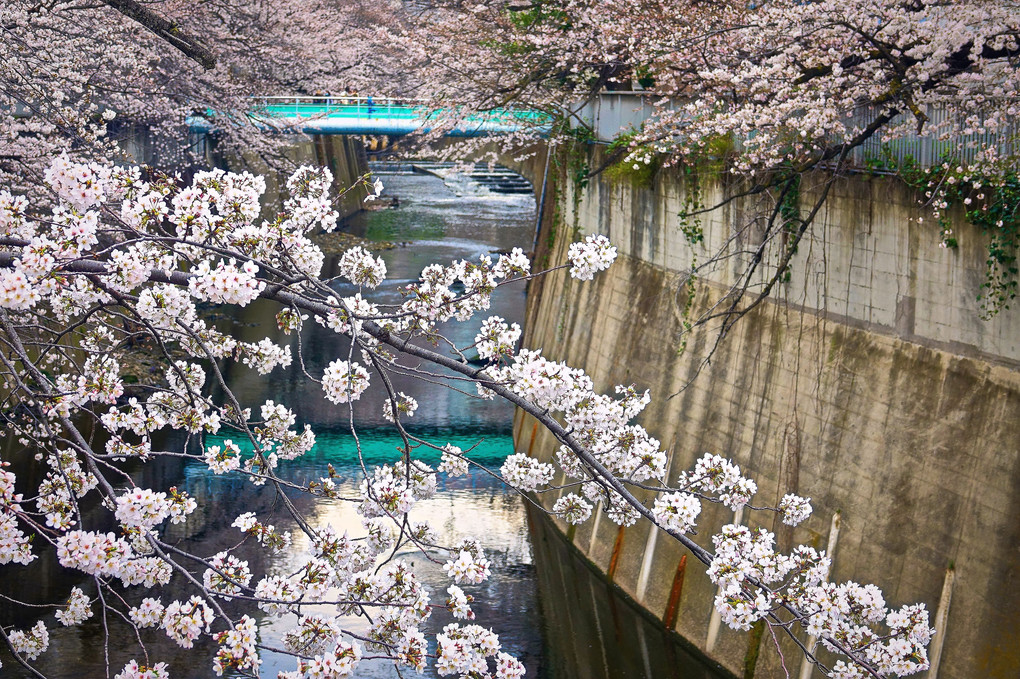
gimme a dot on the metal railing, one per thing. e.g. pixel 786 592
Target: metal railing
pixel 933 148
pixel 346 105
pixel 349 114
pixel 611 114
pixel 377 107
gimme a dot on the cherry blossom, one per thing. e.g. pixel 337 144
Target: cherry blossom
pixel 31 643
pixel 593 255
pixel 186 621
pixel 467 567
pixel 78 608
pixel 526 473
pixel 135 671
pixel 132 259
pixel 496 338
pixel 344 382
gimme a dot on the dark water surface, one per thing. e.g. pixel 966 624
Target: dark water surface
pixel 561 619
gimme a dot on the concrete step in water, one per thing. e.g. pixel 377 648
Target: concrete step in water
pixel 390 167
pixel 497 180
pixel 506 186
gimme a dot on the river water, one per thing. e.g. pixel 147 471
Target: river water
pixel 564 623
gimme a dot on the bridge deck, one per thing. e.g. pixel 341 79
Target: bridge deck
pixel 365 115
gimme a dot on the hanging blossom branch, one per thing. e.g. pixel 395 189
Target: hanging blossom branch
pixel 122 260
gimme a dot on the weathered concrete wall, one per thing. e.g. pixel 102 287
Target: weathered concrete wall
pixel 343 155
pixel 868 383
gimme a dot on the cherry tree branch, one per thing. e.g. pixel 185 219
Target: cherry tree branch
pixel 168 30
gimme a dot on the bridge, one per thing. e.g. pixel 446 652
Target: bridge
pixel 375 116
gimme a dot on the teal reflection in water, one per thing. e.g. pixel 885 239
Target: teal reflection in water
pixel 372 447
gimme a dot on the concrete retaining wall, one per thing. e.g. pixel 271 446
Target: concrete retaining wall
pixel 868 383
pixel 343 155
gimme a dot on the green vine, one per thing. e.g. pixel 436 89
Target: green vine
pixel 689 222
pixel 577 152
pixel 989 198
pixel 789 213
pixel 639 165
pixel 711 158
pixel 690 217
pixel 579 168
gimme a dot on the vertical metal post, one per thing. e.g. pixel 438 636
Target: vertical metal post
pixel 646 563
pixel 716 620
pixel 806 666
pixel 941 620
pixel 541 201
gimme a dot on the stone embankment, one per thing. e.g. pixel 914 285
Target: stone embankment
pixel 867 382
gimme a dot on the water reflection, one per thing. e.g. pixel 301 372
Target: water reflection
pixel 437 227
pixel 497 519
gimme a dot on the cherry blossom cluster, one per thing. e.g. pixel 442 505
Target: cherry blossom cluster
pixel 459 603
pixel 794 509
pixel 392 491
pixel 144 508
pixel 78 609
pixel 452 461
pixel 329 665
pixel 496 338
pixel 30 643
pixel 464 650
pixel 572 508
pixel 432 300
pixel 849 613
pixel 359 266
pixel 106 555
pixel 526 473
pixel 149 613
pixel 186 621
pixel 14 544
pixel 223 459
pixel 275 436
pixel 265 534
pixel 591 256
pixel 313 635
pixel 226 284
pixel 469 566
pixel 677 511
pixel 64 481
pixel 743 553
pixel 344 382
pixel 237 648
pixel 600 423
pixel 227 574
pixel 406 406
pixel 135 671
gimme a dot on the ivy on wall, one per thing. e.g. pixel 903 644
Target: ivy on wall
pixel 988 195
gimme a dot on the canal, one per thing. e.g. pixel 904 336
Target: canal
pixel 560 618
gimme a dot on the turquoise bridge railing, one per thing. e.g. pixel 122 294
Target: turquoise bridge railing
pixel 370 115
